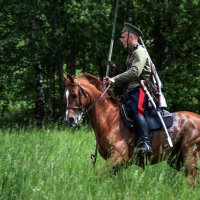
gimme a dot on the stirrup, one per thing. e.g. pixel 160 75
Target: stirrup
pixel 144 149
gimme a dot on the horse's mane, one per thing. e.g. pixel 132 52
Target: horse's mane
pixel 94 80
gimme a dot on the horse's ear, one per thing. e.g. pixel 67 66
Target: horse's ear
pixel 64 77
pixel 67 77
pixel 70 77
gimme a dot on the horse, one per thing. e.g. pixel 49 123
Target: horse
pixel 115 142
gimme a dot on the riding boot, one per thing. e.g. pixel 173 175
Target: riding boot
pixel 144 145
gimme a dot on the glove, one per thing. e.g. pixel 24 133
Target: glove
pixel 105 80
pixel 112 65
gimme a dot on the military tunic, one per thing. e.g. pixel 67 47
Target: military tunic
pixel 135 99
pixel 137 67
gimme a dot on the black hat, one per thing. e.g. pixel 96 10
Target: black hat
pixel 132 29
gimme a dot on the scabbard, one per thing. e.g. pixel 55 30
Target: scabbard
pixel 158 113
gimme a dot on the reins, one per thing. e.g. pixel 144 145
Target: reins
pixel 86 94
pixel 93 156
pixel 91 106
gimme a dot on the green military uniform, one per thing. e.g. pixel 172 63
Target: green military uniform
pixel 137 66
pixel 135 99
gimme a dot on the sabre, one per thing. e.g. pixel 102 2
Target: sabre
pixel 112 38
pixel 156 79
pixel 158 113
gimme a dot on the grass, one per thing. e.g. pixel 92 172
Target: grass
pixel 54 163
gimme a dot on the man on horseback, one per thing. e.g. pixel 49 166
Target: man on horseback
pixel 135 98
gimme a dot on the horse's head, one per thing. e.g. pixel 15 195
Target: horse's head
pixel 77 100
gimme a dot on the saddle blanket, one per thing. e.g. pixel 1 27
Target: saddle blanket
pixel 152 118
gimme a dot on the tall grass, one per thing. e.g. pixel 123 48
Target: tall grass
pixel 55 163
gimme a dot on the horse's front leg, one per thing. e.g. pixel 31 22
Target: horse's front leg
pixel 119 157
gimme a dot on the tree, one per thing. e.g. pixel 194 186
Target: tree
pixel 39 40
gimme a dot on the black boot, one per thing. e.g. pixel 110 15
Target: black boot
pixel 144 145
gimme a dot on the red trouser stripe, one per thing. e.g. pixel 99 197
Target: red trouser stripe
pixel 141 101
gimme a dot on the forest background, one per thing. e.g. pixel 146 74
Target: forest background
pixel 41 40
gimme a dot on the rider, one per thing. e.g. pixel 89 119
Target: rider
pixel 137 68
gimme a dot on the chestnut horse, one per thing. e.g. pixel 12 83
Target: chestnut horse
pixel 115 142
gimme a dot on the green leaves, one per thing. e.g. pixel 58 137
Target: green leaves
pixel 77 34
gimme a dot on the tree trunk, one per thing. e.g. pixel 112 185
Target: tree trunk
pixel 60 63
pixel 71 58
pixel 51 91
pixel 39 102
pixel 159 45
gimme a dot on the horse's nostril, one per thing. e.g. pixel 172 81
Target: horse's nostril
pixel 71 120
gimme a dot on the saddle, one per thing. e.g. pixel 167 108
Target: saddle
pixel 151 116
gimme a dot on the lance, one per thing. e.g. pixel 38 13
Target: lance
pixel 112 37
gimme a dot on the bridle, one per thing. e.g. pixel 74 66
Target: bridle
pixel 82 91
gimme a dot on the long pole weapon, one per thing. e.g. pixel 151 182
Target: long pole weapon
pixel 94 155
pixel 112 38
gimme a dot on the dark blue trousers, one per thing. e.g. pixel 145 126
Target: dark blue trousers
pixel 136 102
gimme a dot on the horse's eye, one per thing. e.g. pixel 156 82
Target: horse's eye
pixel 74 95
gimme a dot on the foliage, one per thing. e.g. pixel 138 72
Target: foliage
pixel 75 35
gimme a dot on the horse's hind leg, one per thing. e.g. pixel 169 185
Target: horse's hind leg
pixel 175 158
pixel 190 156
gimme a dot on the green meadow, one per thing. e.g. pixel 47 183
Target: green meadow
pixel 54 163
